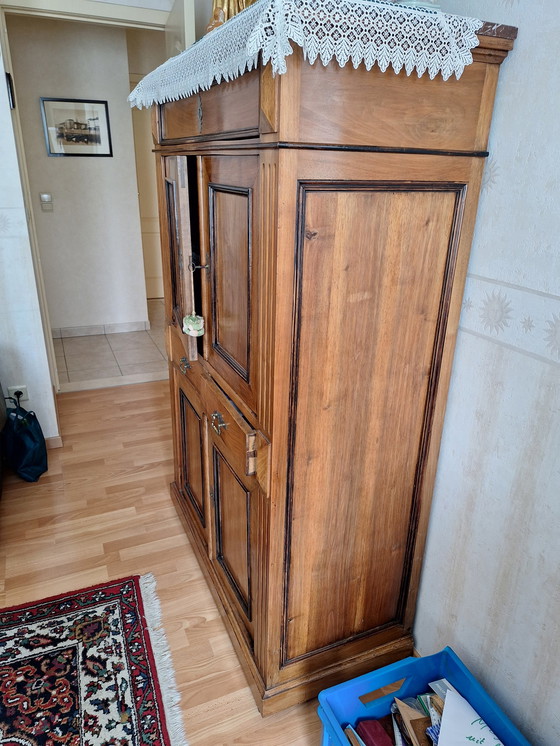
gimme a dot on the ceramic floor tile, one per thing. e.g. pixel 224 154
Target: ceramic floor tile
pixel 155 367
pixel 129 341
pixel 138 356
pixel 99 360
pixel 158 337
pixel 95 359
pixel 60 362
pixel 91 374
pixel 78 345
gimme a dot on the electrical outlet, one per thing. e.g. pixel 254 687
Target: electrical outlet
pixel 24 395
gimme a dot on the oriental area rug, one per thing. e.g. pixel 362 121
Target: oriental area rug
pixel 88 668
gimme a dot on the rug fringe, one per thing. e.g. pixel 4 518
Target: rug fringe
pixel 169 692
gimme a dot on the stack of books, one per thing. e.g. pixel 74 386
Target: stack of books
pixel 440 717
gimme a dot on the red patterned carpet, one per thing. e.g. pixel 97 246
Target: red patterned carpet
pixel 81 669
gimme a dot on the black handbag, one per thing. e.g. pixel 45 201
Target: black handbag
pixel 24 447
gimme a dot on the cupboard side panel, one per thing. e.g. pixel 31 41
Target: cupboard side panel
pixel 372 264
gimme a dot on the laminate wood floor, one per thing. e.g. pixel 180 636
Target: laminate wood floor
pixel 103 511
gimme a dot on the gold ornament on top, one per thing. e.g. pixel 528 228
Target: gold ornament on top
pixel 223 10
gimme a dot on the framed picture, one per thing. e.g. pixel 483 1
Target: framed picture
pixel 76 127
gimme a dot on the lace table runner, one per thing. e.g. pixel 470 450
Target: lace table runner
pixel 360 31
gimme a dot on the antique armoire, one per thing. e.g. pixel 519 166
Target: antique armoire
pixel 320 222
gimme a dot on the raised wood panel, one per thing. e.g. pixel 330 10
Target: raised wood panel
pixel 374 265
pixel 192 478
pixel 387 110
pixel 233 550
pixel 238 507
pixel 234 112
pixel 231 110
pixel 229 185
pixel 231 251
pixel 180 119
pixel 190 447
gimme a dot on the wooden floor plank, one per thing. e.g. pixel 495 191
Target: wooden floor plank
pixel 103 511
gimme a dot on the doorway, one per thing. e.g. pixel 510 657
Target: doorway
pixel 97 241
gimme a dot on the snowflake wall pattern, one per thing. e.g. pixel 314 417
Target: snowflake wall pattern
pixel 516 317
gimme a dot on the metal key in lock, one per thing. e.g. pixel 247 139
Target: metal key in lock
pixel 192 266
pixel 217 422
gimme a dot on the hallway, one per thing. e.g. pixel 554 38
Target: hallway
pixel 104 360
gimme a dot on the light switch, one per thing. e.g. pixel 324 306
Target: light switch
pixel 46 201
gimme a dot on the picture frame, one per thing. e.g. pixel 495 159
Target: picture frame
pixel 76 127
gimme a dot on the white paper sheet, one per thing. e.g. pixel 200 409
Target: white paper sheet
pixel 462 726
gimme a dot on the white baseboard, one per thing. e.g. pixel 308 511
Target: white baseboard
pixel 86 331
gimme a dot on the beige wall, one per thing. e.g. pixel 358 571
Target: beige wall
pixel 90 245
pixel 146 51
pixel 491 574
pixel 186 23
pixel 23 356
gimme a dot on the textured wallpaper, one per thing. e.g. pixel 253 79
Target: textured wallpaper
pixel 513 292
pixel 490 585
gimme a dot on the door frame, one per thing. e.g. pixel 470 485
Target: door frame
pixel 155 21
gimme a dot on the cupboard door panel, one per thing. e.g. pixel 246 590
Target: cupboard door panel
pixel 231 254
pixel 180 240
pixel 235 505
pixel 232 528
pixel 375 265
pixel 189 438
pixel 232 243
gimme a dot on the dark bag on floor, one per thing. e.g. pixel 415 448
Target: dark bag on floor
pixel 25 450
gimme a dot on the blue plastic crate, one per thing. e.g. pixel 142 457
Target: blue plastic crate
pixel 341 705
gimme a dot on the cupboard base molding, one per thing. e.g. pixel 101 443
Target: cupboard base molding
pixel 292 693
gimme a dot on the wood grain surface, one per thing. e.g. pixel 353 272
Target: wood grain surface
pixel 372 273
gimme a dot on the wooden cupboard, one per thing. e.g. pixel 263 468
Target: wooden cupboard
pixel 320 222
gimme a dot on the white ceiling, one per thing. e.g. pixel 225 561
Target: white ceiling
pixel 148 4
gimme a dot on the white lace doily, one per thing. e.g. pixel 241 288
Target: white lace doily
pixel 361 31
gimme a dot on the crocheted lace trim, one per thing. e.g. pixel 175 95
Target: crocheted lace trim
pixel 358 31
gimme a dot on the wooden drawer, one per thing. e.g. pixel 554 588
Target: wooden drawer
pixel 230 110
pixel 176 344
pixel 231 430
